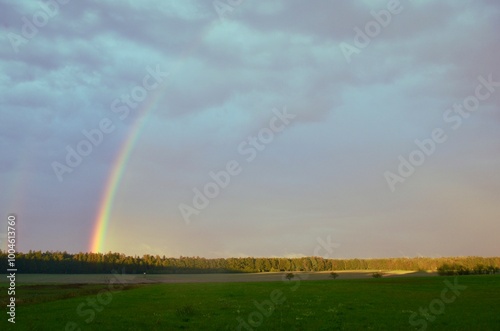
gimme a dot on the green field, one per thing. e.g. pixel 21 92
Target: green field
pixel 342 304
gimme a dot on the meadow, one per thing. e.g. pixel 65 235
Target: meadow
pixel 347 303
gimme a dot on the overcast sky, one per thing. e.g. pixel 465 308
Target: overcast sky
pixel 334 113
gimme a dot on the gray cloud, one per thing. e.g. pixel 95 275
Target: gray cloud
pixel 322 175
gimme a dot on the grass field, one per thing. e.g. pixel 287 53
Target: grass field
pixel 342 304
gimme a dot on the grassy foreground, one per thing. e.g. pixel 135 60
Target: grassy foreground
pixel 349 304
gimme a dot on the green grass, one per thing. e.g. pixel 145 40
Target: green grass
pixel 349 304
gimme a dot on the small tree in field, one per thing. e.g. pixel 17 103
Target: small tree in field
pixel 334 275
pixel 377 275
pixel 289 276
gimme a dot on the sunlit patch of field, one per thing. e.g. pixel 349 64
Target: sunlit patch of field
pixel 205 278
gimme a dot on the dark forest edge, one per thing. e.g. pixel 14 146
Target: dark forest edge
pixel 97 263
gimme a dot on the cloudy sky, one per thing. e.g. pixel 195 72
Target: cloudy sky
pixel 333 128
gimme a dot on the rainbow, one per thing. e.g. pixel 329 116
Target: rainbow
pixel 116 174
pixel 103 216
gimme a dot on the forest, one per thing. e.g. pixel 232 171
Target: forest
pixel 94 263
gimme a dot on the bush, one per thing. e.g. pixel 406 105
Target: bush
pixel 377 275
pixel 334 275
pixel 289 276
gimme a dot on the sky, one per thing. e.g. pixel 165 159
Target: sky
pixel 238 128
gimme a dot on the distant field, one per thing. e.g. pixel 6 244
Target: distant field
pixel 202 278
pixel 342 304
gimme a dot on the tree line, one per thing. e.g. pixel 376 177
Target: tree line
pixel 457 269
pixel 63 262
